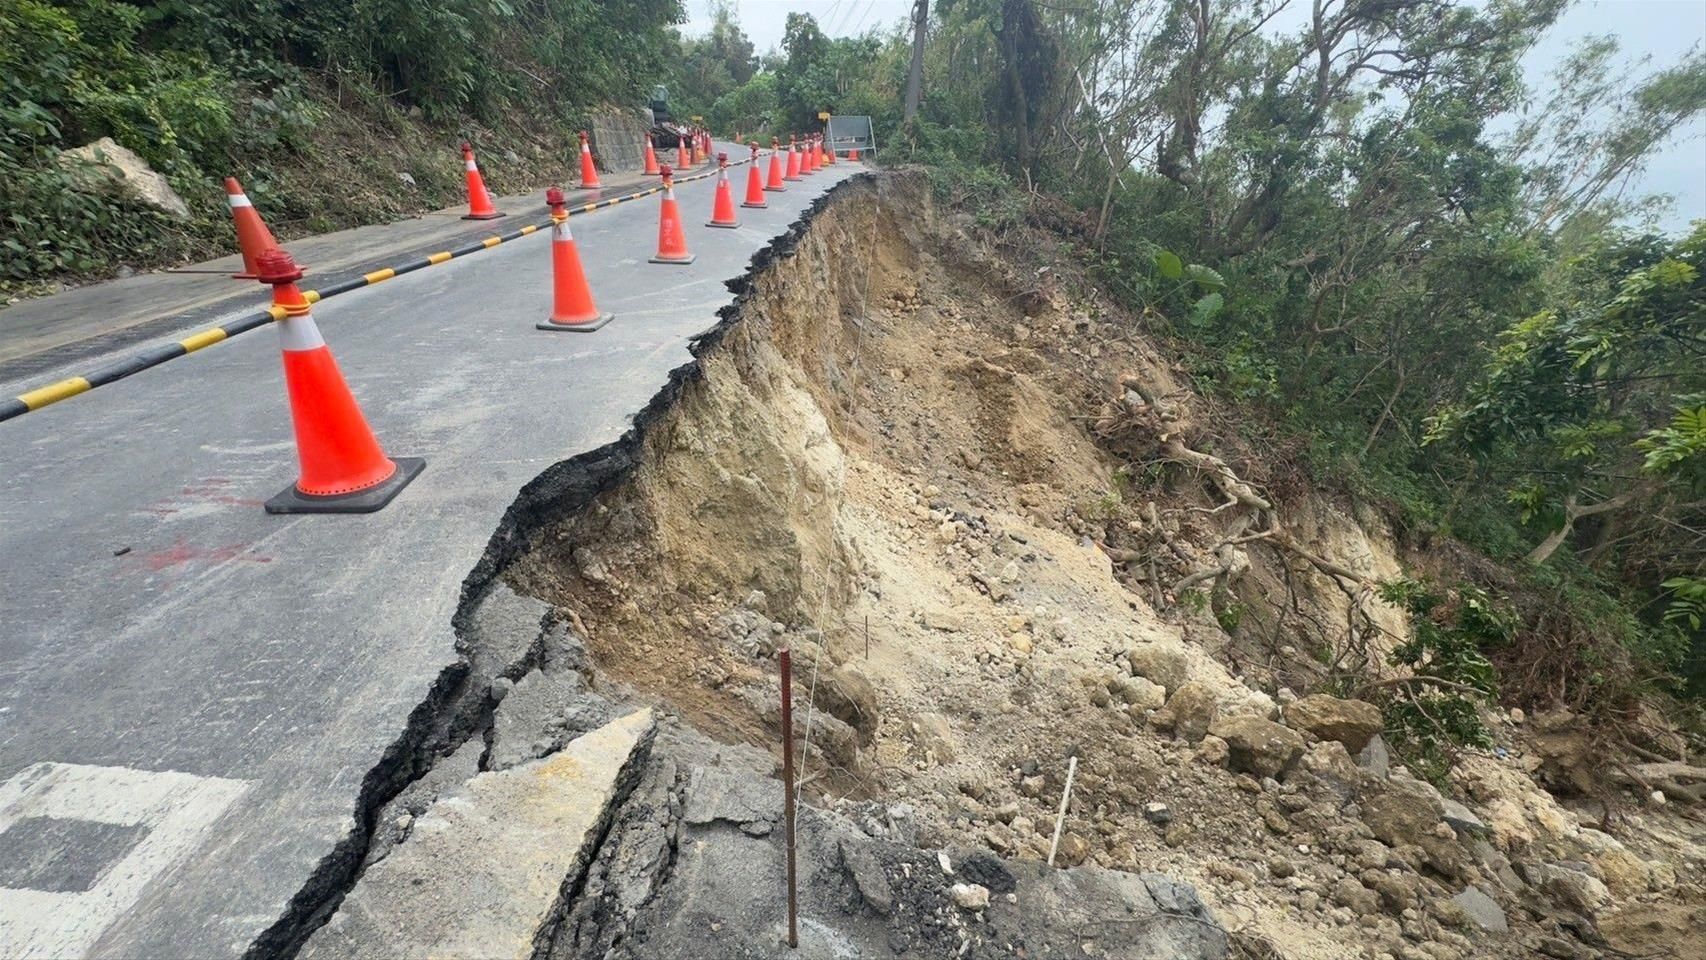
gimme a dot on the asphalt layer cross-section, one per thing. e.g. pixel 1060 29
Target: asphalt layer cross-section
pixel 192 690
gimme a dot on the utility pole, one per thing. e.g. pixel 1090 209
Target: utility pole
pixel 915 77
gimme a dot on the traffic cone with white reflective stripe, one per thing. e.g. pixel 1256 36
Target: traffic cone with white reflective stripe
pixel 774 181
pixel 479 201
pixel 651 159
pixel 828 152
pixel 853 154
pixel 793 159
pixel 682 157
pixel 343 468
pixel 253 237
pixel 699 150
pixel 723 206
pixel 754 183
pixel 672 242
pixel 589 170
pixel 572 308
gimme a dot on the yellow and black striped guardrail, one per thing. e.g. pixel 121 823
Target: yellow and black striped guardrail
pixel 52 393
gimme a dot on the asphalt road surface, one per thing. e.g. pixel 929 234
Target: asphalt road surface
pixel 192 690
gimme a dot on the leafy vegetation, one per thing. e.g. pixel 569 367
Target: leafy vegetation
pixel 283 94
pixel 1433 710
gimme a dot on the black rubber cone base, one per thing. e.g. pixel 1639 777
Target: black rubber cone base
pixel 373 498
pixel 729 226
pixel 683 261
pixel 483 216
pixel 584 327
pixel 756 206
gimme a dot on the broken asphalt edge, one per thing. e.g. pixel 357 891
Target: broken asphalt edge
pixel 452 711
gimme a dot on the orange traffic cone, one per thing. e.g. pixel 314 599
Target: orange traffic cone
pixel 479 201
pixel 808 162
pixel 572 308
pixel 723 207
pixel 774 181
pixel 683 159
pixel 651 159
pixel 253 237
pixel 853 154
pixel 343 468
pixel 672 243
pixel 754 183
pixel 828 151
pixel 589 170
pixel 698 149
pixel 793 159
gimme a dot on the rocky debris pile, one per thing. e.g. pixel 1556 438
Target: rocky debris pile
pixel 698 871
pixel 925 470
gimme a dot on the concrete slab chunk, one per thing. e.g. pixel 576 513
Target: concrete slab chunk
pixel 482 869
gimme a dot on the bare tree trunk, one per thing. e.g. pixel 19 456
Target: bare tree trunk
pixel 1572 513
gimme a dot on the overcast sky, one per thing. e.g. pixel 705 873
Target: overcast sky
pixel 1661 29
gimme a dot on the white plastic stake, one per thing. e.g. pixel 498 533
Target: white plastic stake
pixel 1060 818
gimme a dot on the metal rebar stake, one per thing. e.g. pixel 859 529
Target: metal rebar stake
pixel 788 791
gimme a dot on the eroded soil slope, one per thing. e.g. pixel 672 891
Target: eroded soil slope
pixel 892 465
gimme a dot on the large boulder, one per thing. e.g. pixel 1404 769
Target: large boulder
pixel 105 167
pixel 1258 746
pixel 1409 813
pixel 1188 713
pixel 1165 663
pixel 1402 811
pixel 850 696
pixel 1481 910
pixel 1568 887
pixel 1351 722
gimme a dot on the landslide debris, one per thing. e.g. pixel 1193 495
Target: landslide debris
pixel 910 459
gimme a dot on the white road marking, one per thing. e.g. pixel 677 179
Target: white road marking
pixel 175 808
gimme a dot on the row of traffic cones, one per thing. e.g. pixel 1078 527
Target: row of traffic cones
pixel 342 466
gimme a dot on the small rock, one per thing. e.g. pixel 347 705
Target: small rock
pixel 1375 758
pixel 1212 750
pixel 1560 949
pixel 1141 693
pixel 1164 663
pixel 1157 813
pixel 933 736
pixel 1352 895
pixel 407 178
pixel 1280 868
pixel 1259 746
pixel 1571 888
pixel 970 896
pixel 1073 850
pixel 1189 712
pixel 1482 910
pixel 948 621
pixel 1461 818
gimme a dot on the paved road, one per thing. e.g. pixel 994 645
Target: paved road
pixel 191 690
pixel 40 334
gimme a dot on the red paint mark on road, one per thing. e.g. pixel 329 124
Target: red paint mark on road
pixel 181 553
